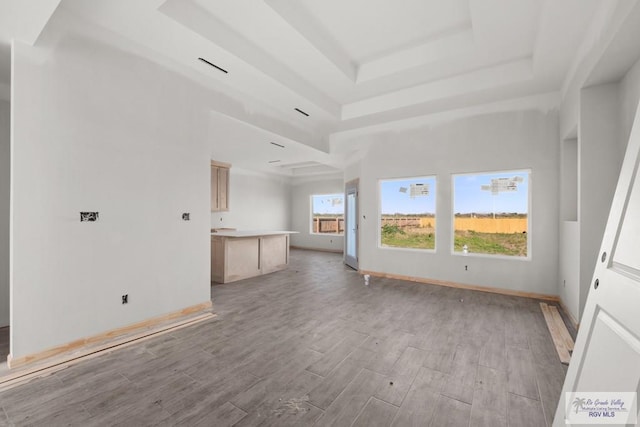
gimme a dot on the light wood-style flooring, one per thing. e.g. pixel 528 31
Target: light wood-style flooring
pixel 312 345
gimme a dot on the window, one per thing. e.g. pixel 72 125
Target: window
pixel 327 214
pixel 408 213
pixel 491 213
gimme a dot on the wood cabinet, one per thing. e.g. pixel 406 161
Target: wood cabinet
pixel 240 255
pixel 219 186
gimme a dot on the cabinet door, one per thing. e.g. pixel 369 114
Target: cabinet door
pixel 215 204
pixel 219 188
pixel 223 189
pixel 217 259
pixel 242 258
pixel 274 253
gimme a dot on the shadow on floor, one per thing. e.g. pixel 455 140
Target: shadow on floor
pixel 4 343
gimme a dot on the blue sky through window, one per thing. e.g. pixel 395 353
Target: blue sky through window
pixel 395 196
pixel 469 197
pixel 327 204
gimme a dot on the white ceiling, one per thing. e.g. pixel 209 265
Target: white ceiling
pixel 352 65
pixel 22 20
pixel 269 152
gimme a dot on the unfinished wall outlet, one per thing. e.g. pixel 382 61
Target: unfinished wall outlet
pixel 89 216
pixel 125 298
pixel 186 216
pixel 466 268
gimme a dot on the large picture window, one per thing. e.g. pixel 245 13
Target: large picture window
pixel 491 213
pixel 408 213
pixel 327 214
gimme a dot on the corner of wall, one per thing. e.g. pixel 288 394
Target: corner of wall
pixel 5 188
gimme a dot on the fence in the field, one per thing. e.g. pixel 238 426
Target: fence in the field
pixel 480 225
pixel 328 224
pixel 491 225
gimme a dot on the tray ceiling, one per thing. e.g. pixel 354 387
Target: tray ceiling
pixel 357 64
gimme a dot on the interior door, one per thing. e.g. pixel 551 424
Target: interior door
pixel 351 225
pixel 607 350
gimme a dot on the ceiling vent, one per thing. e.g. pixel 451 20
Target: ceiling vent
pixel 213 65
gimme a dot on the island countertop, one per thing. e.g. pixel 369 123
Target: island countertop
pixel 249 233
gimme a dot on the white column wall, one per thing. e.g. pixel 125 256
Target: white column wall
pixel 600 161
pixel 5 174
pixel 98 129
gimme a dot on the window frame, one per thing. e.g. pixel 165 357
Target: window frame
pixel 311 216
pixel 435 213
pixel 529 172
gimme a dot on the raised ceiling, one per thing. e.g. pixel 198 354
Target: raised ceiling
pixel 354 65
pixel 361 58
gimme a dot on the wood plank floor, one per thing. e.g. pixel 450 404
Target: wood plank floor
pixel 312 345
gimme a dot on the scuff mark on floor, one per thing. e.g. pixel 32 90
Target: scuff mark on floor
pixel 292 406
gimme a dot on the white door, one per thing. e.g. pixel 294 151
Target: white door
pixel 351 225
pixel 606 357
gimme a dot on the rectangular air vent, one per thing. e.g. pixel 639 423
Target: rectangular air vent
pixel 213 65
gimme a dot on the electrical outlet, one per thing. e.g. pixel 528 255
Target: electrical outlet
pixel 125 298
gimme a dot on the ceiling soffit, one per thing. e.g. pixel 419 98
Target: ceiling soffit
pixel 357 58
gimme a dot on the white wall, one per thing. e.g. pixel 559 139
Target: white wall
pixel 5 174
pixel 257 201
pixel 501 141
pixel 569 270
pixel 98 129
pixel 301 192
pixel 629 93
pixel 569 244
pixel 600 161
pixel 605 115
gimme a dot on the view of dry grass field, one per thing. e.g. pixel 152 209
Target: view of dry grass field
pixel 502 235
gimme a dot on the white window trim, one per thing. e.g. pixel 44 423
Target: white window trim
pixel 379 228
pixel 529 216
pixel 311 218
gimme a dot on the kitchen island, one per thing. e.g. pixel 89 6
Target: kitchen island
pixel 240 254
